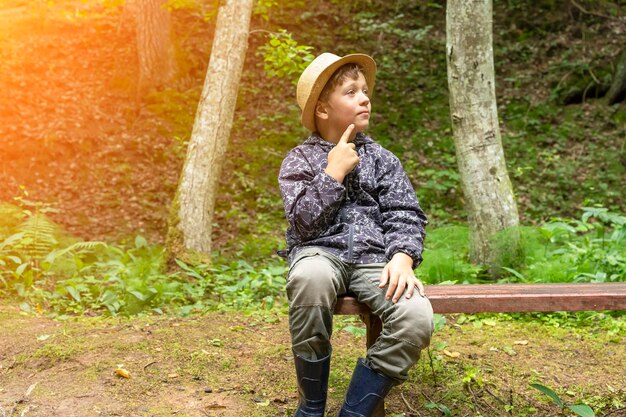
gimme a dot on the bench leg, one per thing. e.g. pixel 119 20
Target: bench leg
pixel 373 326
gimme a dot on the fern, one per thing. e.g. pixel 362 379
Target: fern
pixel 76 247
pixel 9 242
pixel 39 237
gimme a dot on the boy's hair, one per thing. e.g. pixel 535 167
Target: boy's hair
pixel 351 71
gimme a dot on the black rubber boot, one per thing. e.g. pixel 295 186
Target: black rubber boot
pixel 367 390
pixel 312 386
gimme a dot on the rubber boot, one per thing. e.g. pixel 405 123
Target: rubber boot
pixel 367 390
pixel 312 386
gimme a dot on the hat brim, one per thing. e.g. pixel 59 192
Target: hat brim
pixel 369 72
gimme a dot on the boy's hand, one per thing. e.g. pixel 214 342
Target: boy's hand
pixel 343 157
pixel 399 273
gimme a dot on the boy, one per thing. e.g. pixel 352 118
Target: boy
pixel 355 226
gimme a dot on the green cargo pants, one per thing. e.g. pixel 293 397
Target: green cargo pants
pixel 317 277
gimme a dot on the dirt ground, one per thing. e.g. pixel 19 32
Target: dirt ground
pixel 234 364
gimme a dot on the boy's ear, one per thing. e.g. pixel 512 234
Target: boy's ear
pixel 321 111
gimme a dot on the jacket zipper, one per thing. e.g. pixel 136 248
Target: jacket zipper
pixel 350 241
pixel 345 218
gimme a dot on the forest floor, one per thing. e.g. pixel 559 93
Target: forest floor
pixel 235 364
pixel 74 138
pixel 72 134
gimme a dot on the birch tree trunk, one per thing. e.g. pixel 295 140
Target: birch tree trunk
pixel 154 45
pixel 191 218
pixel 489 199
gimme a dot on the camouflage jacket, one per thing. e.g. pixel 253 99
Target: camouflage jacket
pixel 367 219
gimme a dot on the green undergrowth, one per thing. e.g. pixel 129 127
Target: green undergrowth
pixel 610 325
pixel 589 249
pixel 49 270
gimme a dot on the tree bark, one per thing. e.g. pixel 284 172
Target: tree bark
pixel 191 218
pixel 617 91
pixel 154 45
pixel 488 192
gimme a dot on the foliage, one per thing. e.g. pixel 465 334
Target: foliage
pixel 283 57
pixel 169 102
pixel 549 163
pixel 585 82
pixel 240 285
pixel 96 277
pixel 459 377
pixel 37 237
pixel 587 250
pixel 372 24
pixel 445 411
pixel 582 410
pixel 446 258
pixel 350 324
pixel 10 216
pixel 196 7
pixel 41 266
pixel 263 7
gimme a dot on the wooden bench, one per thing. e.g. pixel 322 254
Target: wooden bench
pixel 500 298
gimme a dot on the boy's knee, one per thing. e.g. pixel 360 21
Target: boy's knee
pixel 312 281
pixel 413 321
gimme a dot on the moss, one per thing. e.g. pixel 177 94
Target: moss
pixel 55 352
pixel 175 247
pixel 619 116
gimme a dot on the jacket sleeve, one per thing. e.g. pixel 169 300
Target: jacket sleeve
pixel 402 217
pixel 311 200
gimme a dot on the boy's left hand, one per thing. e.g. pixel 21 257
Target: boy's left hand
pixel 399 274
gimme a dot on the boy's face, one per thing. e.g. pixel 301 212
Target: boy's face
pixel 349 103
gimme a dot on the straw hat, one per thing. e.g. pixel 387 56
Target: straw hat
pixel 316 75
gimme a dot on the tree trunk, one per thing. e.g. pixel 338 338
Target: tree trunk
pixel 617 91
pixel 191 218
pixel 154 45
pixel 489 199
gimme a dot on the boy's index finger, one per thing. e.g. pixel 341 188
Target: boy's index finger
pixel 346 135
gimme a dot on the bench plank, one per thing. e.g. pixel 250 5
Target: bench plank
pixel 512 298
pixel 502 298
